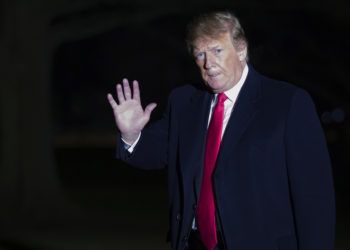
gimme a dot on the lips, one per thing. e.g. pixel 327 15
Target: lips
pixel 212 75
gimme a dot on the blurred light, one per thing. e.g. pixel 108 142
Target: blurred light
pixel 338 115
pixel 326 117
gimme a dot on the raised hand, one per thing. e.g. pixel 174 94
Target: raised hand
pixel 129 115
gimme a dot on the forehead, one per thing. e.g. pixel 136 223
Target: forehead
pixel 210 42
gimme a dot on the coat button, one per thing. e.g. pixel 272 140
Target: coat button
pixel 186 244
pixel 178 217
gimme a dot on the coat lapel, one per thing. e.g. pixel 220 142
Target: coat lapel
pixel 242 114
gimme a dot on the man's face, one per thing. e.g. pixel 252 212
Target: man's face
pixel 221 65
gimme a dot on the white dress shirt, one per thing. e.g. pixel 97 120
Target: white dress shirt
pixel 229 103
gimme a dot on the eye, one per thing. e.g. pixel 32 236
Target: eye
pixel 218 51
pixel 199 56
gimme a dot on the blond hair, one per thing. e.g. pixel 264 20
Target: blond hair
pixel 212 25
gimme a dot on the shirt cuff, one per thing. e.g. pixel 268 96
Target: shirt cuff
pixel 130 147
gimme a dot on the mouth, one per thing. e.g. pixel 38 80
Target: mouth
pixel 213 75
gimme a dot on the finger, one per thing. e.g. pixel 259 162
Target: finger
pixel 120 94
pixel 136 90
pixel 127 90
pixel 112 102
pixel 150 107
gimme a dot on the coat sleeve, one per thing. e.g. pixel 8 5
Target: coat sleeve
pixel 310 176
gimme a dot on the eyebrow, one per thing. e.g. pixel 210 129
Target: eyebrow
pixel 196 50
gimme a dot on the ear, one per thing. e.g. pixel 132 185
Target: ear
pixel 242 54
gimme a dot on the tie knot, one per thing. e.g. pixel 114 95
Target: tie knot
pixel 221 98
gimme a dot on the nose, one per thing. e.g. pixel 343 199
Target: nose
pixel 209 61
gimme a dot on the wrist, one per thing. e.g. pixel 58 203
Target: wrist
pixel 130 138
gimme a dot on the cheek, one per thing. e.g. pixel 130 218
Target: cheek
pixel 223 62
pixel 202 71
pixel 200 67
pixel 229 63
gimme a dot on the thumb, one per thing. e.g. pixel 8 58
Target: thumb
pixel 149 108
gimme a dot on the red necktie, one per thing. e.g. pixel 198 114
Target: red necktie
pixel 206 205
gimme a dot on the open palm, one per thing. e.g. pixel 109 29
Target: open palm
pixel 129 115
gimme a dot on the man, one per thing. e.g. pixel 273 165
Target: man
pixel 247 162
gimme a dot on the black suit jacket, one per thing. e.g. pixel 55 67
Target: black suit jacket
pixel 273 183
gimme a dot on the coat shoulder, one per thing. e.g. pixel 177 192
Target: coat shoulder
pixel 278 87
pixel 281 91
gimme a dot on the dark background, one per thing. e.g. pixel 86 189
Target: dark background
pixel 61 187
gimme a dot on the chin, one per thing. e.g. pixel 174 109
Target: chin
pixel 216 87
